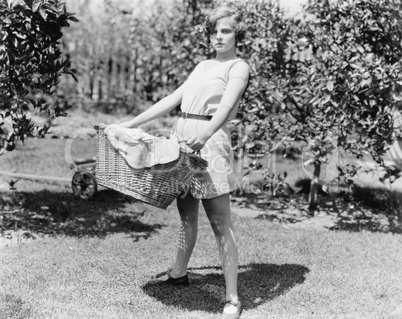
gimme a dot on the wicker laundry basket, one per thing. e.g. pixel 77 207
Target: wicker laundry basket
pixel 158 185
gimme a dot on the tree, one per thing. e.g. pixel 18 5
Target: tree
pixel 30 64
pixel 263 49
pixel 343 67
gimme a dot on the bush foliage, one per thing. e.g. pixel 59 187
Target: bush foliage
pixel 343 81
pixel 30 65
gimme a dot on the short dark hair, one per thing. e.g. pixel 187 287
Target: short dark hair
pixel 225 13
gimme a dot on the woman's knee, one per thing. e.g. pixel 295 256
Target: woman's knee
pixel 220 225
pixel 188 209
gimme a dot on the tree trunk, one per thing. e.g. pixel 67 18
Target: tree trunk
pixel 132 60
pixel 314 185
pixel 91 84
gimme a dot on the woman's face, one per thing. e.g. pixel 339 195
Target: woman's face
pixel 223 38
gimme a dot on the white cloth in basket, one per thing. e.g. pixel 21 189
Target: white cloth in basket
pixel 141 149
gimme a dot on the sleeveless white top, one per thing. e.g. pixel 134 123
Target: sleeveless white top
pixel 205 86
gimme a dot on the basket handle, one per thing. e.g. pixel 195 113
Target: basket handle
pixel 192 153
pixel 100 126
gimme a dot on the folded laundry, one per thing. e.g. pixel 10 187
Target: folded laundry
pixel 141 149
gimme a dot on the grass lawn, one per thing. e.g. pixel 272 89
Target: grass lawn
pixel 62 257
pixel 283 274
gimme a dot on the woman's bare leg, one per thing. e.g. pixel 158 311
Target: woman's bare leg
pixel 218 212
pixel 188 210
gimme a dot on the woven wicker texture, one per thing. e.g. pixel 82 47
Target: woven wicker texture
pixel 158 185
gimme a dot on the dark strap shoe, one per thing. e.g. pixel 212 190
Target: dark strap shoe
pixel 159 280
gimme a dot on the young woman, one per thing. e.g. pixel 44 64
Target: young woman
pixel 209 98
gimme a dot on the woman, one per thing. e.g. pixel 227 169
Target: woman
pixel 209 98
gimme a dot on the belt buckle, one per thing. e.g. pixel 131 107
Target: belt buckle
pixel 185 115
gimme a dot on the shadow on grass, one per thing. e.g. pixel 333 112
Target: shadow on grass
pixel 373 209
pixel 363 208
pixel 12 306
pixel 56 213
pixel 257 284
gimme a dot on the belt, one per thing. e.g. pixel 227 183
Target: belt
pixel 196 116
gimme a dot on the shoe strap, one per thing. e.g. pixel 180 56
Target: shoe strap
pixel 233 303
pixel 168 273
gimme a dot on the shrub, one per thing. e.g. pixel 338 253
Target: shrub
pixel 30 64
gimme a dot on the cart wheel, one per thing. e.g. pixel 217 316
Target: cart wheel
pixel 84 185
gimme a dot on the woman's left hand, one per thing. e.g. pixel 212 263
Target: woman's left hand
pixel 195 143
